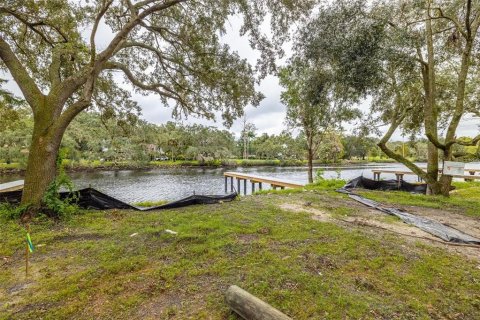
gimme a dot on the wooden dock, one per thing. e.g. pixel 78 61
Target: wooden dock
pixel 11 186
pixel 400 173
pixel 240 176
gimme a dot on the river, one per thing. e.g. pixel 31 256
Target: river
pixel 174 183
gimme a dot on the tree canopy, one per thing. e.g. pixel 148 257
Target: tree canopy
pixel 172 48
pixel 312 106
pixel 417 59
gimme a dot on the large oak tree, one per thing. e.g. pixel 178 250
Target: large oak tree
pixel 172 48
pixel 417 59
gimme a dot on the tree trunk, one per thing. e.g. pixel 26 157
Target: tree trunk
pixel 41 165
pixel 445 184
pixel 310 165
pixel 430 109
pixel 432 170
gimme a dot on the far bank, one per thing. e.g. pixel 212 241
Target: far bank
pixel 96 165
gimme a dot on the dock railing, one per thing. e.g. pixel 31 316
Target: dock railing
pixel 11 186
pixel 400 173
pixel 254 179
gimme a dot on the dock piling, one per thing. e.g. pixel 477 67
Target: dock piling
pixel 275 183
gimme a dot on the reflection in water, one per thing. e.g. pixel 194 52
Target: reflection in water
pixel 174 183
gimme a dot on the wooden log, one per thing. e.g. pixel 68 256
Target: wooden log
pixel 250 307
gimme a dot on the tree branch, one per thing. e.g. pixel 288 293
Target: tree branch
pixel 155 87
pixel 102 12
pixel 123 33
pixel 390 153
pixel 32 25
pixel 54 68
pixel 435 141
pixel 452 19
pixel 27 85
pixel 472 142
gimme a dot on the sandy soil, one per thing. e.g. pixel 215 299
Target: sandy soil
pixel 374 221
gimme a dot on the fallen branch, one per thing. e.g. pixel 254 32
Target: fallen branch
pixel 250 307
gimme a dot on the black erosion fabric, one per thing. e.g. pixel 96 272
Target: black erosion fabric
pixel 435 228
pixel 365 183
pixel 90 198
pixel 12 197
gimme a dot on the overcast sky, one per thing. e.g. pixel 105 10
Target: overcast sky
pixel 268 117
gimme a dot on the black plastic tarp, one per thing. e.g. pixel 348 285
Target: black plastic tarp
pixel 90 198
pixel 365 183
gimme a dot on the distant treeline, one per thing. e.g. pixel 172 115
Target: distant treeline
pixel 92 137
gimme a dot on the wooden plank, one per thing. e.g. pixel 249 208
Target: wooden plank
pixel 259 179
pixel 467 176
pixel 392 171
pixel 410 172
pixel 250 307
pixel 11 186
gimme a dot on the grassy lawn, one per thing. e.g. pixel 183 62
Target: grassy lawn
pixel 464 200
pixel 10 166
pixel 92 267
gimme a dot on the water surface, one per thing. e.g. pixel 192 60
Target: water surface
pixel 174 183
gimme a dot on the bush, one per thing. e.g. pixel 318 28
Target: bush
pixel 10 211
pixel 55 206
pixel 326 184
pixel 229 163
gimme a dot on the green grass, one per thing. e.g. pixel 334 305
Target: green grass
pixel 369 159
pixel 92 267
pixel 147 204
pixel 10 166
pixel 323 186
pixel 464 200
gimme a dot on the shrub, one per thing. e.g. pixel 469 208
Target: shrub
pixel 10 211
pixel 56 206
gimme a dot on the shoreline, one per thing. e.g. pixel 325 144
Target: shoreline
pixel 13 169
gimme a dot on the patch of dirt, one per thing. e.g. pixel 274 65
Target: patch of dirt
pixel 247 238
pixel 78 237
pixel 161 307
pixel 317 214
pixel 183 303
pixel 376 221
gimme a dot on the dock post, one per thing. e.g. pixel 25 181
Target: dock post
pixel 399 179
pixel 245 186
pixel 238 185
pixel 226 184
pixel 253 187
pixel 231 184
